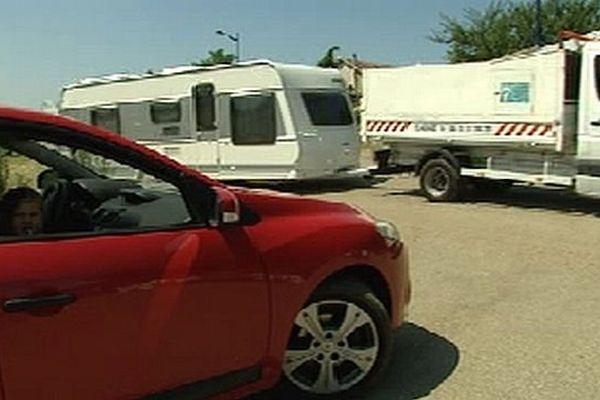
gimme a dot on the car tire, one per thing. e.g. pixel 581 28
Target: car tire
pixel 440 180
pixel 341 340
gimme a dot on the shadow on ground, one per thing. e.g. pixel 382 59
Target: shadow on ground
pixel 527 198
pixel 421 361
pixel 315 186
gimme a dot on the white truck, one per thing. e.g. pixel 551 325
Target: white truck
pixel 253 120
pixel 529 117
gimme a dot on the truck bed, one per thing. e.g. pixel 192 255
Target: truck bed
pixel 516 101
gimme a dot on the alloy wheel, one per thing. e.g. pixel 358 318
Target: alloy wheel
pixel 334 345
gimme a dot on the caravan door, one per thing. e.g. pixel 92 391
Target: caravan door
pixel 327 133
pixel 204 154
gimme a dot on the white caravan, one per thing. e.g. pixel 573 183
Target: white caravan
pixel 252 120
pixel 530 117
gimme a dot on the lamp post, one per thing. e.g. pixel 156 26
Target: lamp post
pixel 234 38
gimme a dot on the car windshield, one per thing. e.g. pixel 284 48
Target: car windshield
pixel 104 167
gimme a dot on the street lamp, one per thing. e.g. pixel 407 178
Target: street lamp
pixel 234 38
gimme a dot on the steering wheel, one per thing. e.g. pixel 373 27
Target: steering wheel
pixel 64 209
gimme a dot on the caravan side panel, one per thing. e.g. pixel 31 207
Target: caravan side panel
pixel 168 87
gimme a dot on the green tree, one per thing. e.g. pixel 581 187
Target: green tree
pixel 508 26
pixel 218 56
pixel 328 60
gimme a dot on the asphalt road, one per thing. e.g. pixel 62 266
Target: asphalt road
pixel 506 293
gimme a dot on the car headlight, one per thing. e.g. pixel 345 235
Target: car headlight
pixel 388 231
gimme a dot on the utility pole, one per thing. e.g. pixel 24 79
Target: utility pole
pixel 539 35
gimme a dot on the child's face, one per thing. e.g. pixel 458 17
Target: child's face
pixel 27 218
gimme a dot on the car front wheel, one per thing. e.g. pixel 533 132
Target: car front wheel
pixel 340 340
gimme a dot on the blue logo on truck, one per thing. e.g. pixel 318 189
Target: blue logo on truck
pixel 514 92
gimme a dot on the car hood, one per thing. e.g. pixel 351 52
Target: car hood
pixel 272 203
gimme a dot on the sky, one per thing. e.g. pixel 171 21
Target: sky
pixel 45 45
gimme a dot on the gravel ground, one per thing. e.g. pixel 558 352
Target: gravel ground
pixel 506 293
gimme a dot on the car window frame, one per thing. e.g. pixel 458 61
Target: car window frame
pixel 198 196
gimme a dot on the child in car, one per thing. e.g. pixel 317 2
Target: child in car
pixel 21 212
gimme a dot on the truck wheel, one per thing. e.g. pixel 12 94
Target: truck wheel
pixel 440 181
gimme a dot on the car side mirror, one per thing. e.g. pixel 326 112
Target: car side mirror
pixel 227 208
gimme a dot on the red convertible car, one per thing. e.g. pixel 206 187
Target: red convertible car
pixel 146 279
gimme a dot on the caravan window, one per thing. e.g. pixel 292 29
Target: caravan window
pixel 107 118
pixel 327 108
pixel 165 112
pixel 204 97
pixel 81 114
pixel 253 119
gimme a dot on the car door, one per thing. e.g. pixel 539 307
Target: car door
pixel 117 314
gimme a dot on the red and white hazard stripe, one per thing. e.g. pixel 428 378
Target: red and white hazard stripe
pixel 523 129
pixel 387 126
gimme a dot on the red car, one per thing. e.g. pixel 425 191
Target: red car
pixel 149 279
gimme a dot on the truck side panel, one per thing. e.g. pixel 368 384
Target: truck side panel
pixel 514 101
